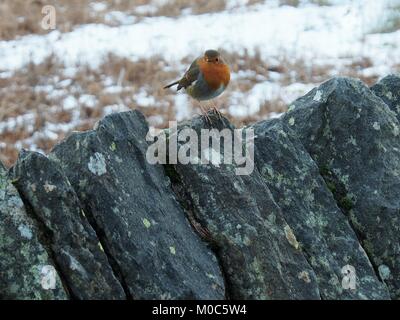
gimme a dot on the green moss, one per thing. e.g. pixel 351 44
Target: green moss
pixel 146 223
pixel 346 203
pixel 172 250
pixel 338 188
pixel 331 186
pixel 171 173
pixel 113 146
pixel 324 171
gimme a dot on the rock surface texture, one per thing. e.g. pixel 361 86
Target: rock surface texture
pixel 317 218
pixel 151 245
pixel 24 261
pixel 78 252
pixel 246 226
pixel 354 138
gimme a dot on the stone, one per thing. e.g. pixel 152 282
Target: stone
pixel 75 246
pixel 27 272
pixel 307 203
pixel 134 212
pixel 388 89
pixel 353 137
pixel 238 215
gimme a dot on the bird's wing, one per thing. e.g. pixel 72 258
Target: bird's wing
pixel 190 76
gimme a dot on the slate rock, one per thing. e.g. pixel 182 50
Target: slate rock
pixel 238 215
pixel 74 244
pixel 132 207
pixel 353 136
pixel 26 270
pixel 388 89
pixel 322 230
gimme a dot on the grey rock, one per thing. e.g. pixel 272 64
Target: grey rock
pixel 75 246
pixel 131 205
pixel 26 269
pixel 353 136
pixel 308 206
pixel 388 89
pixel 237 214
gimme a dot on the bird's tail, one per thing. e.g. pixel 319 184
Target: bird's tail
pixel 171 85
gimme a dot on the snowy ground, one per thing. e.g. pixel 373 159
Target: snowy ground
pixel 340 39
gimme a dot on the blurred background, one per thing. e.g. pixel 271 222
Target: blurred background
pixel 116 55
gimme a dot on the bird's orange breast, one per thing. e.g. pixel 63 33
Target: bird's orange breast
pixel 215 74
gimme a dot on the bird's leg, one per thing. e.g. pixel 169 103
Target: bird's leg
pixel 215 109
pixel 205 114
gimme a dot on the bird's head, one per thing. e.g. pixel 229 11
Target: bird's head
pixel 213 56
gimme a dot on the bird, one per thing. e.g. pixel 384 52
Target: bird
pixel 207 77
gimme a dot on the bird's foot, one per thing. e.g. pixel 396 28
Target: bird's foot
pixel 207 118
pixel 217 112
pixel 205 115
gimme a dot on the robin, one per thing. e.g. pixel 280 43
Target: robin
pixel 207 77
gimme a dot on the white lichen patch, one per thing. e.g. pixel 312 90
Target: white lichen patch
pixel 318 96
pixel 25 231
pixel 82 183
pixel 345 179
pixel 211 276
pixel 292 107
pixel 291 238
pixel 74 265
pixel 172 250
pixel 97 164
pixel 384 272
pixel 353 141
pixel 146 223
pixel 246 241
pixel 291 121
pixel 48 275
pixel 376 126
pixel 238 186
pixel 389 95
pixel 49 187
pixel 305 276
pixel 396 130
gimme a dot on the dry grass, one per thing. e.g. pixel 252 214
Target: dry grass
pixel 296 3
pixel 22 17
pixel 175 8
pixel 41 91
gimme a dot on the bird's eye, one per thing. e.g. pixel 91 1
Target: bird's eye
pixel 216 59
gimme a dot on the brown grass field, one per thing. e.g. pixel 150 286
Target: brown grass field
pixel 37 90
